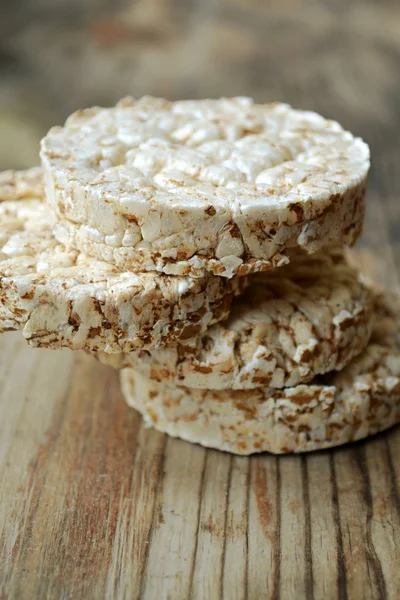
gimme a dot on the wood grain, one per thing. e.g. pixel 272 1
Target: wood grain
pixel 92 504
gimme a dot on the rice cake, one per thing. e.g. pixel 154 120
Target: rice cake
pixel 226 186
pixel 60 297
pixel 360 400
pixel 291 324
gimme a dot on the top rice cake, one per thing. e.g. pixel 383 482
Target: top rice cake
pixel 226 186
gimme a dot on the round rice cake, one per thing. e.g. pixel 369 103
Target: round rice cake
pixel 21 184
pixel 225 185
pixel 60 297
pixel 360 400
pixel 291 324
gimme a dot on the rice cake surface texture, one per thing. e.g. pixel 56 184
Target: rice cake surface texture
pixel 60 297
pixel 361 400
pixel 220 185
pixel 291 324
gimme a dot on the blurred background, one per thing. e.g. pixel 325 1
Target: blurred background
pixel 338 57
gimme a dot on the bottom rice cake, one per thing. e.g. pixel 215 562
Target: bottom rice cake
pixel 60 297
pixel 291 324
pixel 360 400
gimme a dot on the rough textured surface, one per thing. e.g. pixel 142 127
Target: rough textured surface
pixel 359 401
pixel 60 297
pixel 307 318
pixel 223 185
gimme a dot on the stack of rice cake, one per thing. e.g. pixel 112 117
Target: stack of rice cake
pixel 199 246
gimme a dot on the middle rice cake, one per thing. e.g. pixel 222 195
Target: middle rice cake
pixel 61 297
pixel 293 323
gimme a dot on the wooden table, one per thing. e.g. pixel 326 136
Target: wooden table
pixel 92 505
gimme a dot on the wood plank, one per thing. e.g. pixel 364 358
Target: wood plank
pixel 295 560
pixel 264 527
pixel 211 535
pixel 363 572
pixel 175 526
pixel 324 541
pixel 134 518
pixel 234 581
pixel 29 398
pixel 384 515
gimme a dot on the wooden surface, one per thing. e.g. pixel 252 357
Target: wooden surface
pixel 92 505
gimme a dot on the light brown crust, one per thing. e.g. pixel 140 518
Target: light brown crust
pixel 359 401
